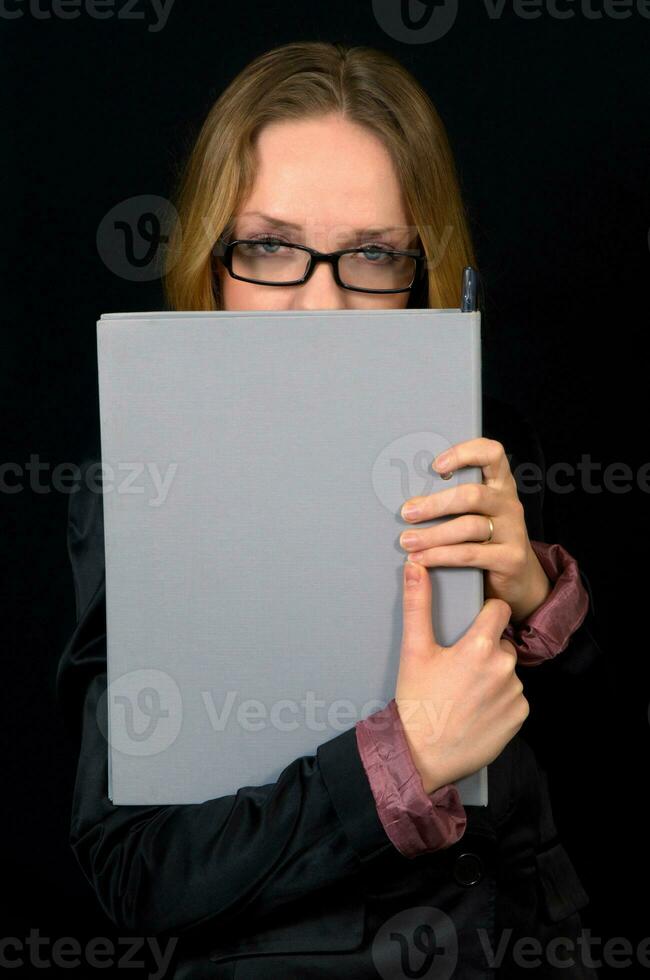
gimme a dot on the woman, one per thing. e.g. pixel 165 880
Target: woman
pixel 360 861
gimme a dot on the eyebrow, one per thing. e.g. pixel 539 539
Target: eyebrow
pixel 280 223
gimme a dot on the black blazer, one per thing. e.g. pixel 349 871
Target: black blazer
pixel 298 878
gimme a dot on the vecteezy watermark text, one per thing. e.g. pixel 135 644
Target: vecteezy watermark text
pixel 564 477
pixel 98 952
pixel 408 459
pixel 147 709
pixel 131 10
pixel 425 21
pixel 422 941
pixel 99 477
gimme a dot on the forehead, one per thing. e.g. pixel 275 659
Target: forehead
pixel 326 170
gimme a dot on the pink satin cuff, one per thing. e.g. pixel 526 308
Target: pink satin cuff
pixel 415 821
pixel 547 631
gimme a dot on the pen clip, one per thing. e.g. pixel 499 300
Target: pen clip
pixel 469 290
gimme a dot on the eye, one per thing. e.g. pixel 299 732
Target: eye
pixel 375 252
pixel 263 240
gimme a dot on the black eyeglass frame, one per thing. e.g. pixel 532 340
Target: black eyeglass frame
pixel 224 249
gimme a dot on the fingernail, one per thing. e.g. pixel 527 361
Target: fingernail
pixel 412 572
pixel 408 540
pixel 409 510
pixel 441 461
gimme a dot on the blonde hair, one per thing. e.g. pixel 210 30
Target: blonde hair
pixel 309 79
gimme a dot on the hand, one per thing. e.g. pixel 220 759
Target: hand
pixel 459 705
pixel 513 571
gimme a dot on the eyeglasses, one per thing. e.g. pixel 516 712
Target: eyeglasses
pixel 273 262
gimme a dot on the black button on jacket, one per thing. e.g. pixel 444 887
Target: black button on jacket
pixel 298 878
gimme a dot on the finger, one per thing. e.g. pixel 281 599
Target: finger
pixel 469 527
pixel 473 498
pixel 509 647
pixel 470 554
pixel 489 454
pixel 491 620
pixel 417 628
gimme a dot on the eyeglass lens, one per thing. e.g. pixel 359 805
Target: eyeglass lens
pixel 275 263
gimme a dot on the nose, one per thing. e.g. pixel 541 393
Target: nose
pixel 320 292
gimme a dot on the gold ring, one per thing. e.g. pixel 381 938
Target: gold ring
pixel 491 530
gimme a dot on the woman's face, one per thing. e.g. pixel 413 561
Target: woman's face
pixel 332 185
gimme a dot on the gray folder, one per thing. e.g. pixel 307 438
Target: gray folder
pixel 254 468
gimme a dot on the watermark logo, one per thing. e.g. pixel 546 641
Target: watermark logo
pixel 147 711
pixel 132 239
pixel 422 942
pixel 425 21
pixel 402 469
pixel 416 21
pixel 417 942
pixel 149 706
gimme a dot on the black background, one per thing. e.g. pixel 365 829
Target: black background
pixel 548 120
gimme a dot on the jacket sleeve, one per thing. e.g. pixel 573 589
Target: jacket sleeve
pixel 160 868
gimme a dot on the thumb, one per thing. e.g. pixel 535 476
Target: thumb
pixel 417 628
